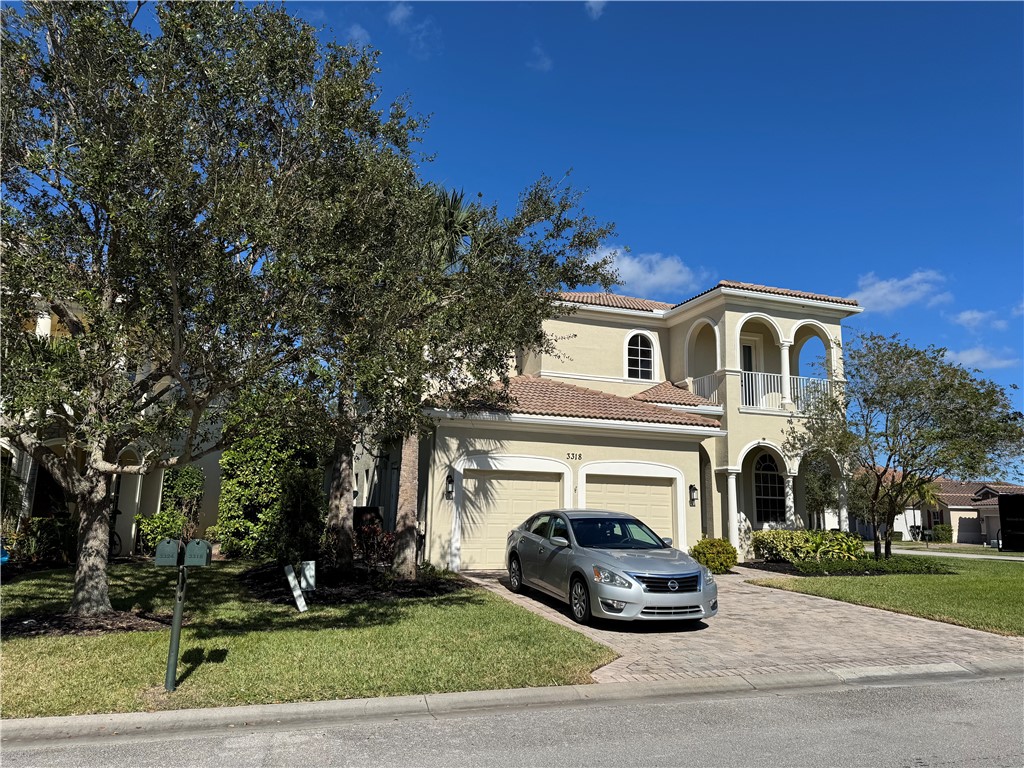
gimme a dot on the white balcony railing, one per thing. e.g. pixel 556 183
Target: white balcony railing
pixel 761 390
pixel 804 390
pixel 707 387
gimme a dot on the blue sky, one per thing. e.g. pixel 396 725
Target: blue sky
pixel 871 150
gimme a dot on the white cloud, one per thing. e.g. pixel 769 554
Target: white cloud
pixel 423 37
pixel 595 8
pixel 358 36
pixel 399 15
pixel 648 275
pixel 885 296
pixel 972 318
pixel 979 357
pixel 1018 310
pixel 539 59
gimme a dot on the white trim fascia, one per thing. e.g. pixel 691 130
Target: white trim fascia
pixel 562 423
pixel 702 410
pixel 767 411
pixel 545 374
pixel 844 309
pixel 643 314
pixel 730 470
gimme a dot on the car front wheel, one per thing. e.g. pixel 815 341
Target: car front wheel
pixel 515 574
pixel 579 601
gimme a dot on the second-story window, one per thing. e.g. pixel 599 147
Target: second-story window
pixel 640 358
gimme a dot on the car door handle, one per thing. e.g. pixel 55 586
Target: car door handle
pixel 541 550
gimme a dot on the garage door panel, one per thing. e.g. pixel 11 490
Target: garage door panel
pixel 651 499
pixel 496 501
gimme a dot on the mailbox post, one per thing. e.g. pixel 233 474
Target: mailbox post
pixel 173 552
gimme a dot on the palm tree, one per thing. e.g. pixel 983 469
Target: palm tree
pixel 450 225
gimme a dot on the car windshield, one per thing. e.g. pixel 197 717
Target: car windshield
pixel 614 533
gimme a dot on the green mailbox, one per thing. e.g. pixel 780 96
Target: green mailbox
pixel 169 552
pixel 198 552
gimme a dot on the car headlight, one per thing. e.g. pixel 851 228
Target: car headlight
pixel 604 576
pixel 709 577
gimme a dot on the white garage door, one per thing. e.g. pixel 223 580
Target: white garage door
pixel 493 503
pixel 648 498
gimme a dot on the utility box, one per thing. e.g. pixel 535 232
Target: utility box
pixel 198 552
pixel 169 552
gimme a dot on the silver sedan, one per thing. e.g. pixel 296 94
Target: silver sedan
pixel 610 565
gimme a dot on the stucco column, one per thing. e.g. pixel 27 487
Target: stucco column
pixel 844 513
pixel 734 509
pixel 791 520
pixel 787 398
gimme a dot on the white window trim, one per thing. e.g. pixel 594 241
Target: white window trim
pixel 499 463
pixel 757 343
pixel 656 375
pixel 639 469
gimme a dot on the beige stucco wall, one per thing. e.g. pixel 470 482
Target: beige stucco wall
pixel 455 442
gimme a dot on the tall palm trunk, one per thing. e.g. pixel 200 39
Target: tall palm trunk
pixel 408 509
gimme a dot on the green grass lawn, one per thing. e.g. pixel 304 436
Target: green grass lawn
pixel 237 650
pixel 962 549
pixel 982 594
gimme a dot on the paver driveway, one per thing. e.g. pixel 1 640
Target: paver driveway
pixel 763 631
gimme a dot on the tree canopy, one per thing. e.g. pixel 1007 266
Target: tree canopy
pixel 218 200
pixel 904 417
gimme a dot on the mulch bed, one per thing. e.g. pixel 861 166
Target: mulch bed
pixel 269 584
pixel 41 625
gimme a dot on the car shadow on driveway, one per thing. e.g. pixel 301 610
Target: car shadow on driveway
pixel 606 625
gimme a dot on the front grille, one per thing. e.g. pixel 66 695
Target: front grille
pixel 668 610
pixel 689 582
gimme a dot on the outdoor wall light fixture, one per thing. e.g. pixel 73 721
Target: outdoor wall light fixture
pixel 693 495
pixel 449 487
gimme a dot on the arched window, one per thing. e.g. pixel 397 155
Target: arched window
pixel 769 491
pixel 640 358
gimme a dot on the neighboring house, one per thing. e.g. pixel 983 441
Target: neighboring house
pixel 673 412
pixel 41 496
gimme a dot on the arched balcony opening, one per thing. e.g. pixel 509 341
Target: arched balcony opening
pixel 811 365
pixel 761 364
pixel 702 361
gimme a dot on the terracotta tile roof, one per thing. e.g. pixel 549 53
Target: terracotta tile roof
pixel 954 493
pixel 668 393
pixel 615 301
pixel 545 397
pixel 777 292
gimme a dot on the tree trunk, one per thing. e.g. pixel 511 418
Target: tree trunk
pixel 91 596
pixel 888 542
pixel 340 531
pixel 408 509
pixel 878 542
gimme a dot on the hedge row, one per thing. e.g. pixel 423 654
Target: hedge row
pixel 868 566
pixel 783 546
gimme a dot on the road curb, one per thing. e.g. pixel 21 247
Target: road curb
pixel 50 731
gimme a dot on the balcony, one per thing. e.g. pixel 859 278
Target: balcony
pixel 707 387
pixel 765 390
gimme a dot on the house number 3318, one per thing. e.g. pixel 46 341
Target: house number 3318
pixel 574 456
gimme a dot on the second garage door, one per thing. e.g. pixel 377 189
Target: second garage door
pixel 648 498
pixel 493 503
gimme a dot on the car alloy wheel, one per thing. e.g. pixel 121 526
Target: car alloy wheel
pixel 515 574
pixel 579 601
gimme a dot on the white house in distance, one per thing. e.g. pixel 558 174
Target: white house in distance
pixel 673 412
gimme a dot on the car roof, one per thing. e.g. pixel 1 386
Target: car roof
pixel 577 514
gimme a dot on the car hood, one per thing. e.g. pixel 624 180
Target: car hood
pixel 668 561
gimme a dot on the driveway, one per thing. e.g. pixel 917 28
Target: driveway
pixel 767 631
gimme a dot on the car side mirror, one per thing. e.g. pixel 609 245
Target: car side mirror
pixel 667 540
pixel 560 541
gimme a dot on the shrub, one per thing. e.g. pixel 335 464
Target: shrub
pixel 897 536
pixel 784 546
pixel 869 566
pixel 375 545
pixel 717 554
pixel 168 523
pixel 44 541
pixel 942 534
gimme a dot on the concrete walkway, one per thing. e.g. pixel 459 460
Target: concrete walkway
pixel 936 553
pixel 760 631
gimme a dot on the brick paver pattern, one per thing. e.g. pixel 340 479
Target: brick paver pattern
pixel 765 631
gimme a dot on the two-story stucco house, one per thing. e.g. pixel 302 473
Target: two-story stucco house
pixel 673 412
